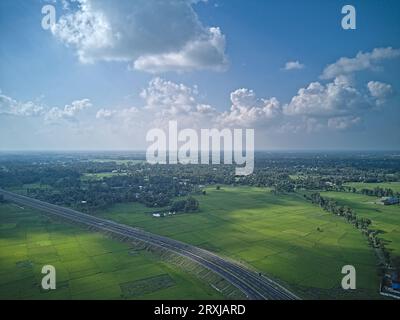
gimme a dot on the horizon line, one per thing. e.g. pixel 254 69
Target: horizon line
pixel 144 151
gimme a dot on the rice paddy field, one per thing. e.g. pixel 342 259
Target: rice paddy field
pixel 88 265
pixel 386 219
pixel 283 236
pixel 119 161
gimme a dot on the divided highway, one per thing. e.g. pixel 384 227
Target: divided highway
pixel 253 285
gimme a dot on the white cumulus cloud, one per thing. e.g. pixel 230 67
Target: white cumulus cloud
pixel 248 110
pixel 207 52
pixel 13 107
pixel 156 35
pixel 125 113
pixel 163 101
pixel 69 112
pixel 293 65
pixel 337 98
pixel 336 105
pixel 105 114
pixel 339 104
pixel 362 61
pixel 380 91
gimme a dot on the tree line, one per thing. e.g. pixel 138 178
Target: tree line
pixel 349 214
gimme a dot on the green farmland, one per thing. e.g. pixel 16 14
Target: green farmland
pixel 119 161
pixel 88 265
pixel 100 176
pixel 384 218
pixel 283 236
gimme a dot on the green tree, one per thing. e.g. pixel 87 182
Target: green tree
pixel 191 205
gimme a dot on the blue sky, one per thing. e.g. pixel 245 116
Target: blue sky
pixel 203 63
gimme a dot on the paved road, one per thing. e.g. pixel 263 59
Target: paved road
pixel 255 287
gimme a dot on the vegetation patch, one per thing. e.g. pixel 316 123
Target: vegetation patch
pixel 24 264
pixel 282 236
pixel 88 265
pixel 140 287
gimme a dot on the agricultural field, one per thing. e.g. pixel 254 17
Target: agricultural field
pixel 283 236
pixel 395 186
pixel 384 218
pixel 88 265
pixel 23 189
pixel 119 162
pixel 100 176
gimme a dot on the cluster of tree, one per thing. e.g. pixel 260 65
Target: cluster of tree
pixel 67 184
pixel 92 195
pixel 380 192
pixel 373 192
pixel 55 175
pixel 188 205
pixel 348 213
pixel 62 179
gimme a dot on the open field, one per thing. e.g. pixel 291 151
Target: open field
pixel 282 236
pixel 395 186
pixel 118 161
pixel 88 265
pixel 100 176
pixel 23 189
pixel 384 218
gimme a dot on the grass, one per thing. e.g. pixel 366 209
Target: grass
pixel 100 176
pixel 24 189
pixel 384 218
pixel 395 186
pixel 88 265
pixel 139 287
pixel 283 236
pixel 119 162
